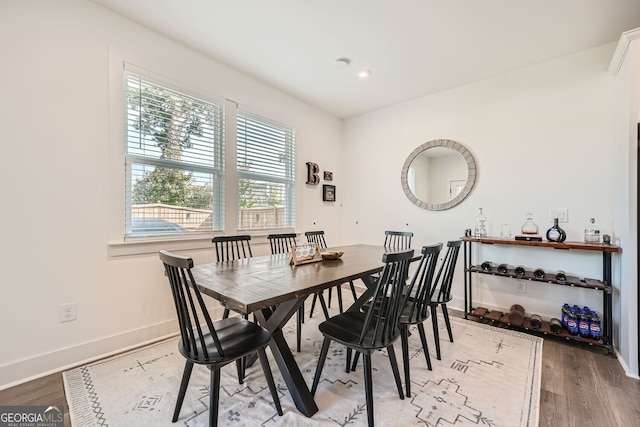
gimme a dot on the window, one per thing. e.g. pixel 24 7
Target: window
pixel 266 172
pixel 174 161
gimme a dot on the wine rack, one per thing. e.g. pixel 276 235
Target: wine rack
pixel 499 319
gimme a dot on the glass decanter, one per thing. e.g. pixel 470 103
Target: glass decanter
pixel 529 228
pixel 481 225
pixel 591 232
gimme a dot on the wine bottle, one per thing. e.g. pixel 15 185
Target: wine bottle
pixel 555 233
pixel 561 276
pixel 502 268
pixel 538 273
pixel 486 266
pixel 520 271
pixel 536 322
pixel 555 325
pixel 516 315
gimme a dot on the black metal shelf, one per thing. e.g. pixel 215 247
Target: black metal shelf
pixel 548 278
pixel 496 318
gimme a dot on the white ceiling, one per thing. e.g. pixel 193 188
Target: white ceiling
pixel 413 47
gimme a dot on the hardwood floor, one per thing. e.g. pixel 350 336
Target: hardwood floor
pixel 580 387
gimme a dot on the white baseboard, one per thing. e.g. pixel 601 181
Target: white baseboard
pixel 63 359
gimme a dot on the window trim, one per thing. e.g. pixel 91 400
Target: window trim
pixel 216 170
pixel 117 246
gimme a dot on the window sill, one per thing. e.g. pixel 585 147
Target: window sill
pixel 153 246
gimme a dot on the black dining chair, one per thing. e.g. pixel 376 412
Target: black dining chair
pixel 441 292
pixel 376 329
pixel 281 244
pixel 209 343
pixel 230 248
pixel 416 309
pixel 318 237
pixel 400 240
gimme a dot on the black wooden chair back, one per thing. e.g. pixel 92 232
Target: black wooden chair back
pixel 400 240
pixel 192 311
pixel 316 237
pixel 416 309
pixel 200 342
pixel 383 314
pixel 281 243
pixel 421 287
pixel 441 292
pixel 229 248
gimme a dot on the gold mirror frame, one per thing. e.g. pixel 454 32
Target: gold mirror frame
pixel 471 177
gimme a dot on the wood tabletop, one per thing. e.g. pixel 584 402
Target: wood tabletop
pixel 250 284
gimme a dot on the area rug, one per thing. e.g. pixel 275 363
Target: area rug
pixel 489 377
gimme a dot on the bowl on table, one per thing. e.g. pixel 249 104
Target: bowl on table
pixel 331 254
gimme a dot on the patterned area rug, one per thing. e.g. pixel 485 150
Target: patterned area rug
pixel 487 377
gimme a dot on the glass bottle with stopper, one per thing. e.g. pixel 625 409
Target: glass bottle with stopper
pixel 529 228
pixel 591 232
pixel 481 225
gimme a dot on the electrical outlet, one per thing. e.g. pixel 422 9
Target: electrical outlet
pixel 522 286
pixel 561 214
pixel 68 312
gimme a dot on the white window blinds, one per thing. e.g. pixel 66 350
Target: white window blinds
pixel 266 173
pixel 174 160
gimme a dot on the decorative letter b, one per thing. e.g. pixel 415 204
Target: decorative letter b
pixel 312 173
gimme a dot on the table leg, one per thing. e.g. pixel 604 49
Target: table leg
pixel 289 369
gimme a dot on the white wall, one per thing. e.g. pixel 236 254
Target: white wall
pixel 63 189
pixel 542 138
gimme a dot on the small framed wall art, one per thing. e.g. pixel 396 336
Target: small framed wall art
pixel 328 193
pixel 328 176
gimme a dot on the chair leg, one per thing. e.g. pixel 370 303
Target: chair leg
pixel 321 360
pixel 240 370
pixel 188 367
pixel 404 339
pixel 436 336
pixel 368 388
pixel 323 304
pixel 445 313
pixel 269 376
pixel 339 292
pixel 425 347
pixel 353 290
pixel 299 317
pixel 214 397
pixel 394 368
pixel 355 361
pixel 313 304
pixel 225 314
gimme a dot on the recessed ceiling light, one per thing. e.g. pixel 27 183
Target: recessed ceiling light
pixel 342 63
pixel 364 74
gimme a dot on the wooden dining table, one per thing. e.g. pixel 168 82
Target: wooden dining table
pixel 273 290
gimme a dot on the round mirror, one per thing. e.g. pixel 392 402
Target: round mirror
pixel 438 175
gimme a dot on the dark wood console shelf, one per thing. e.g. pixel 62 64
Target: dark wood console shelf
pixel 548 278
pixel 483 314
pixel 499 319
